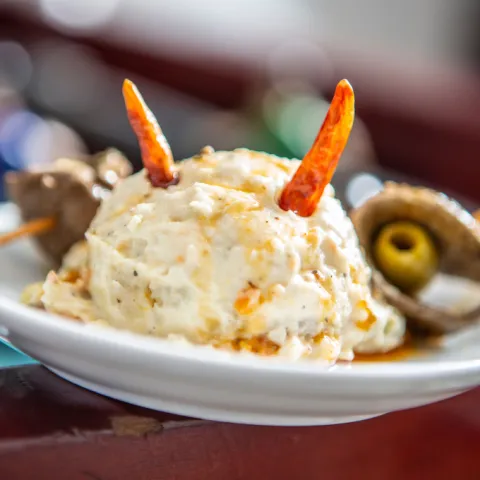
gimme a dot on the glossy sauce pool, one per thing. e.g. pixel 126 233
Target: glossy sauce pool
pixel 404 352
pixel 411 349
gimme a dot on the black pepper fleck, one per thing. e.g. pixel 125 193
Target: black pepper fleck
pixel 135 273
pixel 119 301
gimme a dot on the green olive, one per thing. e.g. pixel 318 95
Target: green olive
pixel 406 255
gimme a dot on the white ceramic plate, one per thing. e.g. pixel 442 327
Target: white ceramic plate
pixel 216 385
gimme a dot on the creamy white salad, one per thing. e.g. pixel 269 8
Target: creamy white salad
pixel 215 261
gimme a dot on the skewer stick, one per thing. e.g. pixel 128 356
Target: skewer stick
pixel 32 228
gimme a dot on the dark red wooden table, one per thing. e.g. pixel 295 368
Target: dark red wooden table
pixel 50 429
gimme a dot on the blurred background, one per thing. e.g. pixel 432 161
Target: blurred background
pixel 246 73
pixel 250 73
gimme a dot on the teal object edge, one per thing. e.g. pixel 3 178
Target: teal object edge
pixel 11 356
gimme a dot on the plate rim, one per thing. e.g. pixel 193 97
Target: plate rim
pixel 14 311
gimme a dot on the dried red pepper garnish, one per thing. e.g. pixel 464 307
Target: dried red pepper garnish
pixel 303 192
pixel 156 153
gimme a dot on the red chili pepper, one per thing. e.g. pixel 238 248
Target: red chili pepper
pixel 156 153
pixel 303 192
